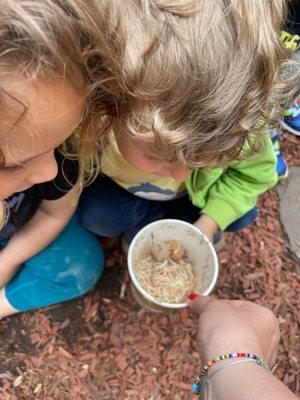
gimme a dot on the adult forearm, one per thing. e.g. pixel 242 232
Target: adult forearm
pixel 247 381
pixel 230 326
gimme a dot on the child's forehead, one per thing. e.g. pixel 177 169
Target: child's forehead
pixel 147 147
pixel 35 118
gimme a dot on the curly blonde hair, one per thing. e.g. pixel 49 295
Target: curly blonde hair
pixel 201 77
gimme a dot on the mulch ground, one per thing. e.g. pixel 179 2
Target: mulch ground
pixel 104 346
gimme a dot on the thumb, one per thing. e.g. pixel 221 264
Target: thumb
pixel 198 303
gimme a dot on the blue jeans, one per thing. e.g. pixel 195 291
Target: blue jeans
pixel 107 209
pixel 66 269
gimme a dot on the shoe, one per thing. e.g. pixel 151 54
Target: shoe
pixel 291 118
pixel 282 168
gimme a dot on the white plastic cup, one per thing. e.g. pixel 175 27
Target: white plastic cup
pixel 200 252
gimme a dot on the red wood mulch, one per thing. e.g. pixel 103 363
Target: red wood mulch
pixel 104 346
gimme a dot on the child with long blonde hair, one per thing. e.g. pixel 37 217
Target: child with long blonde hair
pixel 54 78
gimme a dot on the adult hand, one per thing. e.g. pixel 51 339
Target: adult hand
pixel 235 326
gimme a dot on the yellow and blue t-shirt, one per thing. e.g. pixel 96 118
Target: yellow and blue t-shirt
pixel 141 184
pixel 225 194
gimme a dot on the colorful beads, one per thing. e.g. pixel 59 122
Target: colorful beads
pixel 196 388
pixel 196 385
pixel 202 385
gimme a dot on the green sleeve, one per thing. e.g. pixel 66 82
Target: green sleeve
pixel 227 194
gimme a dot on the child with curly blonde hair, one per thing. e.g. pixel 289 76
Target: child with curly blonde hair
pixel 203 82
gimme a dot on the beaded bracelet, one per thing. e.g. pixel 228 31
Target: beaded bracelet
pixel 196 385
pixel 206 382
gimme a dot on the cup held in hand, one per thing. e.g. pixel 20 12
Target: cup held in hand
pixel 200 252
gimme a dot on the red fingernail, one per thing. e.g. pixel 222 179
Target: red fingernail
pixel 192 296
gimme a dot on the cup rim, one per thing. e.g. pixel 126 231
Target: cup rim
pixel 135 280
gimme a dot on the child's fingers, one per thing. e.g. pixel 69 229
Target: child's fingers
pixel 198 303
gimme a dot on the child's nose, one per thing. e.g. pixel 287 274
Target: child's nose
pixel 44 172
pixel 180 173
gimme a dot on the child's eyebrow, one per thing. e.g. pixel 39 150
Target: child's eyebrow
pixel 24 162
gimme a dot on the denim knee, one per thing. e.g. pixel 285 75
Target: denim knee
pixel 101 223
pixel 108 210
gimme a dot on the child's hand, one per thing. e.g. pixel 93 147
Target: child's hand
pixel 208 226
pixel 235 326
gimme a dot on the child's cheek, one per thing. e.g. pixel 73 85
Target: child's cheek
pixel 10 184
